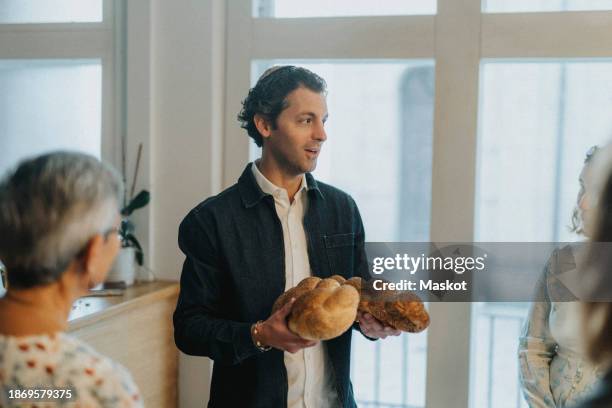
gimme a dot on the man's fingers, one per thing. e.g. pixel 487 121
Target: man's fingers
pixel 371 321
pixel 294 338
pixel 391 331
pixel 373 328
pixel 375 325
pixel 297 346
pixel 304 342
pixel 364 320
pixel 286 309
pixel 372 325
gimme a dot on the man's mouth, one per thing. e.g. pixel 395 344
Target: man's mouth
pixel 313 150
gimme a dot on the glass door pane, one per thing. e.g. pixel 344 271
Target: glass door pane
pixel 379 150
pixel 537 121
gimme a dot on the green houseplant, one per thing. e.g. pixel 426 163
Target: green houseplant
pixel 124 268
pixel 126 231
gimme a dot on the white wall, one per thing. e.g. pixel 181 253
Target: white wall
pixel 187 63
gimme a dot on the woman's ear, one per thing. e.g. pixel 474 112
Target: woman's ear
pixel 263 125
pixel 91 261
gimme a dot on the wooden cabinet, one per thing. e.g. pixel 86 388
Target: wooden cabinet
pixel 135 329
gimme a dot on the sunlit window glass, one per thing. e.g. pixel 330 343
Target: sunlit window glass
pixel 537 122
pixel 48 105
pixel 512 6
pixel 50 11
pixel 379 150
pixel 339 8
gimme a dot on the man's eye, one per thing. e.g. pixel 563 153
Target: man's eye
pixel 307 120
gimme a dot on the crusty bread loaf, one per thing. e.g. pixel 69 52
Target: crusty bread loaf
pixel 401 310
pixel 323 308
pixel 295 292
pixel 326 308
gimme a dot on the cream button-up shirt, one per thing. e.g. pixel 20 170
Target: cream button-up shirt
pixel 309 375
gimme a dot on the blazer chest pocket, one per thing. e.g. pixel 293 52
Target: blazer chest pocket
pixel 340 250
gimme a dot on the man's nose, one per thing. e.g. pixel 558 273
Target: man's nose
pixel 320 133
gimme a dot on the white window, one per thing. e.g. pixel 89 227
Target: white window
pixel 56 11
pixel 385 124
pixel 538 120
pixel 518 99
pixel 60 78
pixel 512 6
pixel 336 8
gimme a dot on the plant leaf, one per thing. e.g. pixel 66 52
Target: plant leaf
pixel 139 257
pixel 141 200
pixel 132 241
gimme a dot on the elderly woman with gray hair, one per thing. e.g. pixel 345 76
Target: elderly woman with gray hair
pixel 59 217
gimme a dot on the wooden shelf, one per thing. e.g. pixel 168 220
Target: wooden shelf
pixel 135 330
pixel 91 309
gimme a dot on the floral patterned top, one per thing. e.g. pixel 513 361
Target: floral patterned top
pixel 554 372
pixel 61 361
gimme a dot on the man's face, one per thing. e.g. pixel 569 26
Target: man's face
pixel 296 141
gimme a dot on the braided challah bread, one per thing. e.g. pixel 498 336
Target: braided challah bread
pixel 323 308
pixel 401 310
pixel 326 308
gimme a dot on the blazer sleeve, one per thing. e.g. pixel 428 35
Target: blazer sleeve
pixel 536 349
pixel 200 325
pixel 362 269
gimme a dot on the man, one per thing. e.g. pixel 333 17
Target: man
pixel 261 236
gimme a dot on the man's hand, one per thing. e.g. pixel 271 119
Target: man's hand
pixel 373 328
pixel 275 333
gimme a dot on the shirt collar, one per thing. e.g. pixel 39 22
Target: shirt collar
pixel 270 188
pixel 251 194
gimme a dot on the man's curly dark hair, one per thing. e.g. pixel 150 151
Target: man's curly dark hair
pixel 268 96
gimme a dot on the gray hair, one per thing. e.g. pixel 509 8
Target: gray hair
pixel 50 207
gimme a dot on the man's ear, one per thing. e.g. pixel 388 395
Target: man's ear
pixel 263 125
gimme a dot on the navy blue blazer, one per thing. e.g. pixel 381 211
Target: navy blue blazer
pixel 235 269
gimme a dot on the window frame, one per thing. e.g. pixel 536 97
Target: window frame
pixel 91 40
pixel 458 38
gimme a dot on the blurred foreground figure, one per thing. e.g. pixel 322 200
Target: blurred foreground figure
pixel 554 371
pixel 59 217
pixel 597 323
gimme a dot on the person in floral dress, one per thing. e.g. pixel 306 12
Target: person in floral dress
pixel 59 218
pixel 554 370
